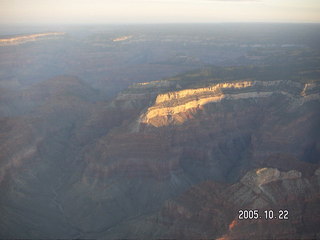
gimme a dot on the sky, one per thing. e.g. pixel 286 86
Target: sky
pixel 156 11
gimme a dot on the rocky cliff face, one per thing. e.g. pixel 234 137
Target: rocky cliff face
pixel 172 107
pixel 176 158
pixel 241 144
pixel 28 38
pixel 211 210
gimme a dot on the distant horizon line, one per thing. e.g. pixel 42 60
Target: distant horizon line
pixel 142 23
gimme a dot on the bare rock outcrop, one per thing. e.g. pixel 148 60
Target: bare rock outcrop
pixel 173 107
pixel 28 38
pixel 255 179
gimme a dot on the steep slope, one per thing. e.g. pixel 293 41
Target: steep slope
pixel 172 107
pixel 160 154
pixel 37 153
pixel 174 158
pixel 212 210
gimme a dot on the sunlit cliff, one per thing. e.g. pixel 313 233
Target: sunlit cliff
pixel 28 38
pixel 169 105
pixel 123 38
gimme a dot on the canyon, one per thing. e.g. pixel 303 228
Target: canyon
pixel 157 163
pixel 206 163
pixel 124 139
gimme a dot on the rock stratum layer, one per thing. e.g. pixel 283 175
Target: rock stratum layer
pixel 168 106
pixel 176 158
pixel 28 38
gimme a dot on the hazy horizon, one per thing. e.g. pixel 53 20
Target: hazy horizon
pixel 84 12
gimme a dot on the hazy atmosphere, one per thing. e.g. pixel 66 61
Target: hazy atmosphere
pixel 157 11
pixel 159 119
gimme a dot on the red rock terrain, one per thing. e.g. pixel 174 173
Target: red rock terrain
pixel 214 208
pixel 209 147
pixel 77 167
